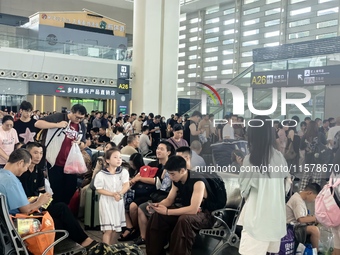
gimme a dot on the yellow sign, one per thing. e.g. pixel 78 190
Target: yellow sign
pixel 259 80
pixel 123 86
pixel 84 18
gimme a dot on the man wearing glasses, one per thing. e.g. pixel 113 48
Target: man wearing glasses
pixel 63 129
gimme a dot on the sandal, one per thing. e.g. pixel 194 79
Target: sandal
pixel 129 236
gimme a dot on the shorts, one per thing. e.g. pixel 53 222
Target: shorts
pixel 144 210
pixel 251 246
pixel 336 237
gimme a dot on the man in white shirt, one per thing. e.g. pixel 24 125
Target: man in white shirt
pixel 332 132
pixel 119 135
pixel 228 130
pixel 137 125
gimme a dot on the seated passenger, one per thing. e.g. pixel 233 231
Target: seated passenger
pixel 296 212
pixel 32 181
pixel 119 131
pixel 132 145
pixel 186 153
pixel 181 224
pixel 163 152
pixel 177 139
pixel 196 159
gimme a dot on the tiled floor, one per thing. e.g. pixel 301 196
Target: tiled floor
pixel 97 235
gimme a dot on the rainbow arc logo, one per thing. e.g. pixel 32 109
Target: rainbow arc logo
pixel 211 92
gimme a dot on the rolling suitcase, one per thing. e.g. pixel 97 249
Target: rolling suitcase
pixel 91 214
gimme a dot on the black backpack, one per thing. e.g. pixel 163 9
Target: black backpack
pixel 217 194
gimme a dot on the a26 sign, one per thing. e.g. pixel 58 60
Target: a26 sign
pixel 123 86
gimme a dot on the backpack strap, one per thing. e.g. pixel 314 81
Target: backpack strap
pixel 174 143
pixel 52 137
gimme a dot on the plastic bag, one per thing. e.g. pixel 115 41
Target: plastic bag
pixel 75 163
pixel 326 239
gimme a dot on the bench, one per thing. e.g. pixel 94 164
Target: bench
pixel 12 243
pixel 224 236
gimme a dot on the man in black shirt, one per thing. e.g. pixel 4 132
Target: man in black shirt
pixel 191 131
pixel 102 139
pixel 25 125
pixel 155 131
pixel 183 223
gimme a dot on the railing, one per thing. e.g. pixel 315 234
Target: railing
pixel 67 48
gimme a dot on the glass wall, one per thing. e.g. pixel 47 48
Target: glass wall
pixel 10 102
pixel 90 104
pixel 216 43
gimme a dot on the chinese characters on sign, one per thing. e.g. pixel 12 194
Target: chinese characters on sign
pixel 325 75
pixel 90 91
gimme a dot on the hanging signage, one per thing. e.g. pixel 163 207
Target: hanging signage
pixel 323 75
pixel 269 79
pixel 123 71
pixel 66 90
pixel 123 86
pixel 309 76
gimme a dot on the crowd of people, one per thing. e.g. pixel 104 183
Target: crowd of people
pixel 166 208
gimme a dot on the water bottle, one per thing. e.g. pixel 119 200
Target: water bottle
pixel 308 250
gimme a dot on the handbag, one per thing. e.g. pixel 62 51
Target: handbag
pixel 75 163
pixel 143 189
pixel 38 244
pixel 289 151
pixel 129 196
pixel 148 171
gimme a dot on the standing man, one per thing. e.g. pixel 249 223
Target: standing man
pixel 191 130
pixel 25 125
pixel 155 131
pixel 68 129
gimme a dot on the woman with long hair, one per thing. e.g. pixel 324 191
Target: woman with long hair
pixel 263 191
pixel 293 143
pixel 308 142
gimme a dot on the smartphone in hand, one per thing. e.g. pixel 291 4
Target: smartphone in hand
pixel 151 210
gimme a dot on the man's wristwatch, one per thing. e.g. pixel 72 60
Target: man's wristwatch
pixel 121 196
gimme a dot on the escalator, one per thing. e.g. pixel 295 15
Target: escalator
pixel 241 81
pixel 262 100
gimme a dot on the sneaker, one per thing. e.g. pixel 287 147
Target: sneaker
pixel 139 241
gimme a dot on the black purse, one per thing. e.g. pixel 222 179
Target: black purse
pixel 143 189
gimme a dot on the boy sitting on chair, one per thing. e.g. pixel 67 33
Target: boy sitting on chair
pixel 297 213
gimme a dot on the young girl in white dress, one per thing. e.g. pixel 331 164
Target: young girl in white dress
pixel 111 184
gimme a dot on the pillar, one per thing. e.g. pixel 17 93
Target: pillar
pixel 155 56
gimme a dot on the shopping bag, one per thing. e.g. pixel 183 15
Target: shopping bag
pixel 75 163
pixel 36 244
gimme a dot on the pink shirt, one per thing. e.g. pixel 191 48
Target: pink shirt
pixel 7 141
